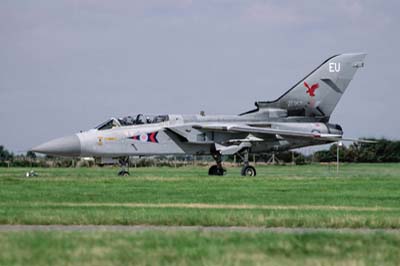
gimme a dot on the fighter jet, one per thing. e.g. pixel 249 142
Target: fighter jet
pixel 298 118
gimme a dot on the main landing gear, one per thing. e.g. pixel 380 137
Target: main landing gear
pixel 124 163
pixel 216 169
pixel 247 169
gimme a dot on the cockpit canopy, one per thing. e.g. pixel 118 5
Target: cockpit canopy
pixel 140 119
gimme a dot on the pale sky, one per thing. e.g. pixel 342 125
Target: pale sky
pixel 68 65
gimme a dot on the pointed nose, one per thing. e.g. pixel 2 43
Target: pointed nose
pixel 66 146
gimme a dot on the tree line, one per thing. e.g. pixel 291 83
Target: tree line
pixel 380 152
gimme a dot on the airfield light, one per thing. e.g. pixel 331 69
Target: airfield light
pixel 338 145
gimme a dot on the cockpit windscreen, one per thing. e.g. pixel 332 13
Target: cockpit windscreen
pixel 139 119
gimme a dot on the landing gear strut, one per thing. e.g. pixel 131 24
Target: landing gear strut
pixel 216 169
pixel 247 169
pixel 124 163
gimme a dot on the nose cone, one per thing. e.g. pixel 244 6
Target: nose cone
pixel 66 146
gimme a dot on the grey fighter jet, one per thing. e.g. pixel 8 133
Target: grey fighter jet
pixel 299 118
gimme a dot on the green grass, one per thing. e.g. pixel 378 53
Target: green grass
pixel 197 248
pixel 362 195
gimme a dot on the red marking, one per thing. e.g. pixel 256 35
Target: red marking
pixel 311 90
pixel 152 137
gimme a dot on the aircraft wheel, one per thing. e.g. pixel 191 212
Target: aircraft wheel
pixel 215 170
pixel 248 171
pixel 123 173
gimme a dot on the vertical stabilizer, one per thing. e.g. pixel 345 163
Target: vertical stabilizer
pixel 319 92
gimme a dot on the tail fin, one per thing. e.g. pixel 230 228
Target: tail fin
pixel 320 91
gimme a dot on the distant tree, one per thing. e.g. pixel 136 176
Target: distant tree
pixel 382 150
pixel 300 159
pixel 290 156
pixel 31 155
pixel 324 156
pixel 5 155
pixel 351 153
pixel 392 152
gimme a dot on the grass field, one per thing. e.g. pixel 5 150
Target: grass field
pixel 197 248
pixel 290 196
pixel 361 196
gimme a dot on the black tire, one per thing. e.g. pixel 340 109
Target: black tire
pixel 248 171
pixel 123 173
pixel 215 170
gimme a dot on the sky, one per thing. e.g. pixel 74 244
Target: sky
pixel 69 65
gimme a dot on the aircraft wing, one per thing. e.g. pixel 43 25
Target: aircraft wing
pixel 262 130
pixel 282 132
pixel 279 133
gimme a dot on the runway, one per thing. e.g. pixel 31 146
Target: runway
pixel 143 228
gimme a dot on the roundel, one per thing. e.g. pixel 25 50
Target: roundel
pixel 143 137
